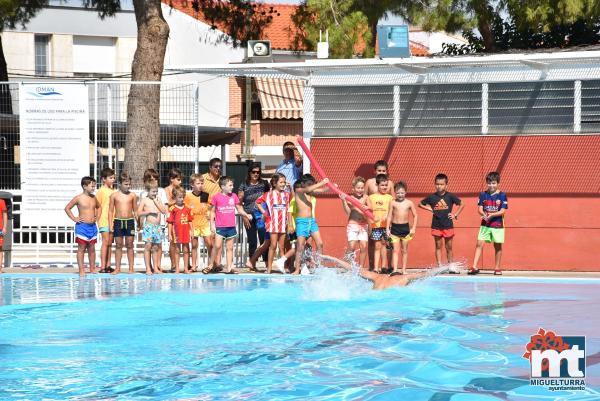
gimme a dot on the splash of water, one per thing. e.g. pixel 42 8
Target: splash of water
pixel 334 284
pixel 337 280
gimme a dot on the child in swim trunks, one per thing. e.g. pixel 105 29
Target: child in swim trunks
pixel 121 212
pixel 379 203
pixel 397 226
pixel 175 180
pixel 150 210
pixel 86 231
pixel 492 208
pixel 150 175
pixel 440 204
pixel 306 224
pixel 180 230
pixel 357 228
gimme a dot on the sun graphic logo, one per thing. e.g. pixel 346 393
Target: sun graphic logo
pixel 557 362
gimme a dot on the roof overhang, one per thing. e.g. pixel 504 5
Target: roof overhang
pixel 563 65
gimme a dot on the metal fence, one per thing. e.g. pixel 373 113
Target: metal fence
pixel 108 128
pixel 507 108
pixel 107 101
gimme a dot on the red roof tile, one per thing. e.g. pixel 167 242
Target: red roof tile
pixel 280 32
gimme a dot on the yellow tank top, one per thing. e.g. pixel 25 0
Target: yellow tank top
pixel 380 204
pixel 103 196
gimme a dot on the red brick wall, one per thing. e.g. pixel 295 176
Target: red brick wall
pixel 264 132
pixel 553 221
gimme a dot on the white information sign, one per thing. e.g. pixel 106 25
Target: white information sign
pixel 54 124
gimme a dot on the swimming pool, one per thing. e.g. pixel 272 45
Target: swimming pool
pixel 261 338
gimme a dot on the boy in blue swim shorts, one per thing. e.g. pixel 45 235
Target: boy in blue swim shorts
pixel 86 231
pixel 150 210
pixel 306 224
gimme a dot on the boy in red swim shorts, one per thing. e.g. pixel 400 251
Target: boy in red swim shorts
pixel 440 204
pixel 180 230
pixel 86 231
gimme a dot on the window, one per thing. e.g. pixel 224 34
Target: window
pixel 255 110
pixel 354 111
pixel 42 54
pixel 423 110
pixel 530 108
pixel 590 106
pixel 448 109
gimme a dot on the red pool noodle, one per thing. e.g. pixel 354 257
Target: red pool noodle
pixel 332 187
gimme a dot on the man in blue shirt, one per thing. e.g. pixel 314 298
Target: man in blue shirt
pixel 291 166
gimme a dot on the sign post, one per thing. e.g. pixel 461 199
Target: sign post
pixel 55 155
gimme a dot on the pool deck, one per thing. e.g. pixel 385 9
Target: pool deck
pixel 37 269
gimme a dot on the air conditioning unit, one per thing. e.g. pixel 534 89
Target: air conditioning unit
pixel 259 49
pixel 393 41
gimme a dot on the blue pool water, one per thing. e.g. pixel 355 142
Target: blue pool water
pixel 259 338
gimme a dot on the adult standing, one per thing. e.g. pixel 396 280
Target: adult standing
pixel 211 179
pixel 291 166
pixel 250 190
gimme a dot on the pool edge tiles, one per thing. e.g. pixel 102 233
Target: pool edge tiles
pixel 288 277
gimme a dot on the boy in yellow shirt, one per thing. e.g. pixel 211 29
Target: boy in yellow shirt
pixel 103 195
pixel 379 203
pixel 198 202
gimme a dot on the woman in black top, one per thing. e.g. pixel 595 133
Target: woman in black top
pixel 249 191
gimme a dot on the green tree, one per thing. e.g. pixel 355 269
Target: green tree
pixel 491 26
pixel 349 33
pixel 352 24
pixel 239 20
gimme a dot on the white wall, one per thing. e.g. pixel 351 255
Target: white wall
pixel 79 42
pixel 94 54
pixel 434 40
pixel 79 21
pixel 19 52
pixel 191 42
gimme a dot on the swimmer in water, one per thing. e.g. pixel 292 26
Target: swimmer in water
pixel 380 281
